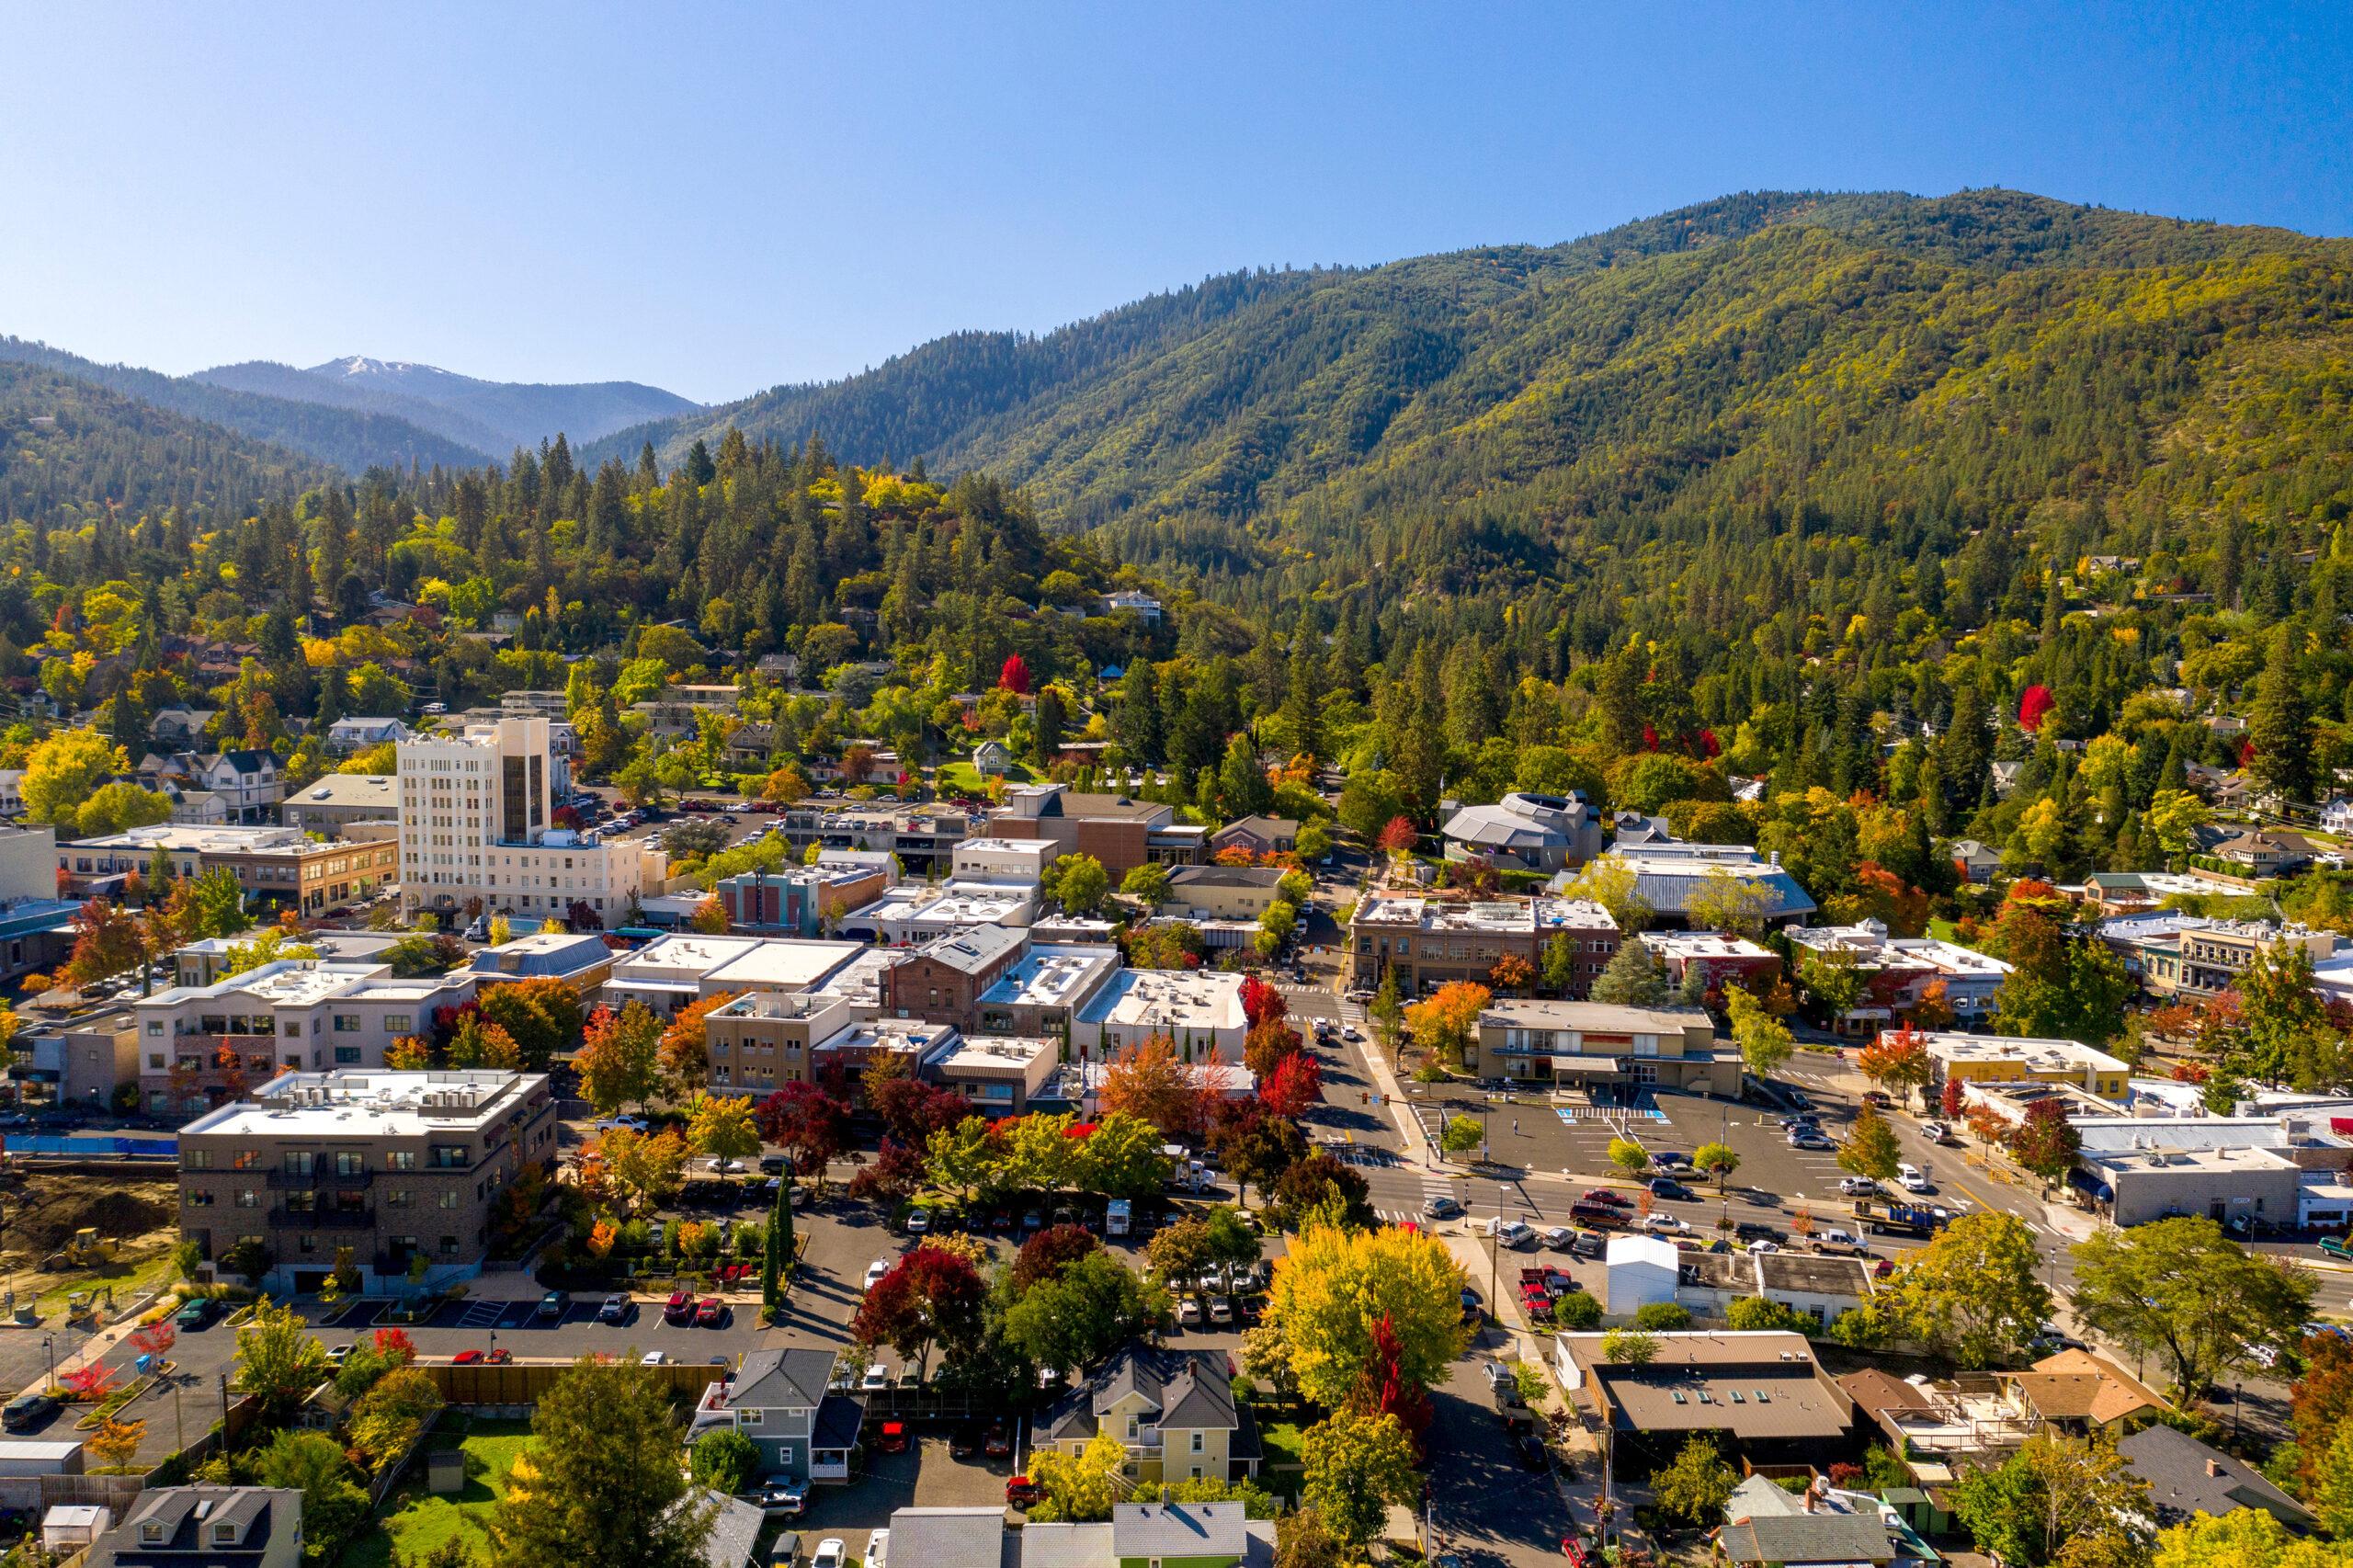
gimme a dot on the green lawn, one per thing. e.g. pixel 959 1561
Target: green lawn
pixel 415 1521
pixel 959 778
pixel 1278 1445
pixel 1944 930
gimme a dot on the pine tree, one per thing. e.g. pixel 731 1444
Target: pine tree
pixel 2279 726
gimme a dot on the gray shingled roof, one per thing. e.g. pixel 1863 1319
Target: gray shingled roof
pixel 953 1537
pixel 1807 1537
pixel 1189 1388
pixel 971 950
pixel 771 1379
pixel 2181 1474
pixel 1176 1529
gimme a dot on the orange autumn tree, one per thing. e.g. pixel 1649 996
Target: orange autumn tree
pixel 1447 1023
pixel 684 1053
pixel 1151 1081
pixel 1898 1061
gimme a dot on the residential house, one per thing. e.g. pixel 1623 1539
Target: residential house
pixel 779 1399
pixel 2188 1478
pixel 1821 1287
pixel 1173 1410
pixel 1936 1427
pixel 1976 862
pixel 179 727
pixel 1258 835
pixel 2077 1393
pixel 205 1526
pixel 991 760
pixel 348 735
pixel 1134 601
pixel 1901 973
pixel 2336 817
pixel 248 782
pixel 1806 1541
pixel 2264 853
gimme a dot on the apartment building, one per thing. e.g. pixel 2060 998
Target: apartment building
pixel 1118 830
pixel 388 1166
pixel 1428 942
pixel 678 970
pixel 1011 862
pixel 201 1045
pixel 277 866
pixel 999 1074
pixel 330 805
pixel 2202 958
pixel 943 981
pixel 1592 1044
pixel 476 810
pixel 247 784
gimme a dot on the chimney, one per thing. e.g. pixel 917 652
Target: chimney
pixel 2214 1467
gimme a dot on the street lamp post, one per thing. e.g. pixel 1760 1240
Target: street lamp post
pixel 49 1345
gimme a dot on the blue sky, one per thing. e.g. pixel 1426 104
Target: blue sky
pixel 719 199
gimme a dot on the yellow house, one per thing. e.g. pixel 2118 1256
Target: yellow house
pixel 1979 1059
pixel 1173 1410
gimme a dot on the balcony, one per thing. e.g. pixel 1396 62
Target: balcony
pixel 323 1218
pixel 321 1181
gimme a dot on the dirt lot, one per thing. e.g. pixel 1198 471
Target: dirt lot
pixel 42 1211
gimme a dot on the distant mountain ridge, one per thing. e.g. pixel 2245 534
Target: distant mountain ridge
pixel 491 417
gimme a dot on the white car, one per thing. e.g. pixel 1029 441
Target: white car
pixel 651 1359
pixel 1664 1222
pixel 1351 1033
pixel 878 1376
pixel 1858 1187
pixel 1188 1313
pixel 831 1553
pixel 1764 1246
pixel 1512 1234
pixel 878 1550
pixel 875 1271
pixel 1912 1178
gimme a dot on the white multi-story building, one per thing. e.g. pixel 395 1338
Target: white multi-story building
pixel 475 834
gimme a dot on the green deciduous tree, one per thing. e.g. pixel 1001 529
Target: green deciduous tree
pixel 1870 1148
pixel 1355 1468
pixel 1694 1488
pixel 279 1361
pixel 2183 1291
pixel 602 1487
pixel 1972 1293
pixel 2057 1500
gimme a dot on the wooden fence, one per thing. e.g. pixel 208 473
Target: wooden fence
pixel 520 1384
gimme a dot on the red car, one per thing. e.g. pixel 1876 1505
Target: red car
pixel 997 1442
pixel 466 1359
pixel 1606 1194
pixel 481 1357
pixel 679 1308
pixel 894 1437
pixel 1021 1492
pixel 707 1312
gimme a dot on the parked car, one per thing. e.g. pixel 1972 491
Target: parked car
pixel 710 1311
pixel 199 1314
pixel 28 1411
pixel 1513 1233
pixel 1667 1186
pixel 780 1493
pixel 1560 1238
pixel 878 1550
pixel 1797 1098
pixel 1529 1449
pixel 615 1308
pixel 1764 1246
pixel 1814 1142
pixel 1220 1309
pixel 1858 1187
pixel 651 1359
pixel 893 1437
pixel 964 1442
pixel 554 1304
pixel 632 1123
pixel 1836 1240
pixel 679 1308
pixel 918 1220
pixel 1610 1196
pixel 1670 1160
pixel 878 1376
pixel 1498 1375
pixel 1188 1313
pixel 1667 1224
pixel 830 1553
pixel 997 1441
pixel 1019 1493
pixel 1878 1099
pixel 875 1271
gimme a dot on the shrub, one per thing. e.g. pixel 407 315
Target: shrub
pixel 1662 1315
pixel 1577 1310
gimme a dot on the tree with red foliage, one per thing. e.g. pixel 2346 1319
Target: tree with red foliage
pixel 1051 1250
pixel 2046 1142
pixel 1383 1388
pixel 1294 1087
pixel 912 1110
pixel 1261 1001
pixel 89 1382
pixel 156 1339
pixel 1015 676
pixel 1399 836
pixel 394 1344
pixel 2035 704
pixel 1951 1100
pixel 811 1125
pixel 894 1176
pixel 930 1297
pixel 1898 1060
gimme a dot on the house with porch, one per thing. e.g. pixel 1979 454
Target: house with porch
pixel 1174 1410
pixel 778 1398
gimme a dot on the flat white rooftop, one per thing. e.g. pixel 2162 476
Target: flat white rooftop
pixel 1051 976
pixel 2034 1055
pixel 784 964
pixel 372 1105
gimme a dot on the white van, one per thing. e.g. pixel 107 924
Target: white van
pixel 1116 1217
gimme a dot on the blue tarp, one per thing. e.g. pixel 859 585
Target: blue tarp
pixel 102 1145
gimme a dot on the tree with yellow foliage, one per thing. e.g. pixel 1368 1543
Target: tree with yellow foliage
pixel 1336 1285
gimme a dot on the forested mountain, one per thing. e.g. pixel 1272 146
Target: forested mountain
pixel 269 379
pixel 351 438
